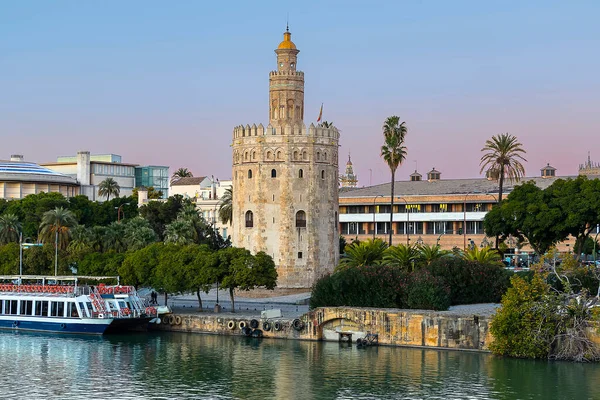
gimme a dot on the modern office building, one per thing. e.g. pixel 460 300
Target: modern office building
pixel 91 170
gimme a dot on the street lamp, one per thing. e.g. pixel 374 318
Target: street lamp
pixel 374 227
pixel 407 220
pixel 21 246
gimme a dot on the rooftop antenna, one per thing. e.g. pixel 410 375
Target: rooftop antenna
pixel 415 165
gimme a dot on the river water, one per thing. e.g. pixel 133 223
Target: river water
pixel 193 366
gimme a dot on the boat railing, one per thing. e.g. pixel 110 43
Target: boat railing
pixel 50 289
pixel 116 289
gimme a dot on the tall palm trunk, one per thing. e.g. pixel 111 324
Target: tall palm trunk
pixel 392 206
pixel 500 185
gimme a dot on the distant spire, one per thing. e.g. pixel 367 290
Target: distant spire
pixel 287 23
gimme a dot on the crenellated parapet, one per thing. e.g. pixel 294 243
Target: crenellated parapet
pixel 287 74
pixel 285 129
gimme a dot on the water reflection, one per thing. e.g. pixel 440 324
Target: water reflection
pixel 187 366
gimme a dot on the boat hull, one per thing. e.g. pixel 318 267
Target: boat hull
pixel 121 325
pixel 82 326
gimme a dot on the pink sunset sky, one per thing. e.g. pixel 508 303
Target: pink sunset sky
pixel 165 84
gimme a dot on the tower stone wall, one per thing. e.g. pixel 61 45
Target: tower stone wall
pixel 285 182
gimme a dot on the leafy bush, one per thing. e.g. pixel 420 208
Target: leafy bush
pixel 427 292
pixel 471 282
pixel 527 322
pixel 366 286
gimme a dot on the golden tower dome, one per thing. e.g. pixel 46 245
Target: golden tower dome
pixel 287 41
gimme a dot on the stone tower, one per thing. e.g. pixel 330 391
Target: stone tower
pixel 285 182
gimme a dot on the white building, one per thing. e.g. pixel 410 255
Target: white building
pixel 206 192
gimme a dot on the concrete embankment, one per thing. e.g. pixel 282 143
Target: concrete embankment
pixel 462 329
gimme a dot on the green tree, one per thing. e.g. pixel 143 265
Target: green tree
pixel 369 252
pixel 203 272
pixel 485 255
pixel 180 232
pixel 160 214
pixel 138 234
pixel 579 205
pixel 181 173
pixel 10 228
pixel 243 271
pixel 57 222
pixel 503 157
pixel 9 259
pixel 226 206
pixel 109 187
pixel 402 256
pixel 428 254
pixel 393 152
pixel 528 213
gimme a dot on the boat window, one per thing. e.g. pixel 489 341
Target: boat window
pixel 41 308
pixel 83 310
pixel 72 310
pixel 1 306
pixel 26 307
pixel 57 309
pixel 122 304
pixel 90 308
pixel 13 307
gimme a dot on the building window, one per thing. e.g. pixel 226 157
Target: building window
pixel 249 174
pixel 300 219
pixel 323 174
pixel 301 174
pixel 273 173
pixel 299 254
pixel 249 219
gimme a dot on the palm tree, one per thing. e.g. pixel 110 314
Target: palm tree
pixel 485 255
pixel 428 254
pixel 327 124
pixel 502 159
pixel 226 206
pixel 402 256
pixel 138 233
pixel 10 228
pixel 393 152
pixel 57 222
pixel 181 232
pixel 109 187
pixel 365 253
pixel 181 173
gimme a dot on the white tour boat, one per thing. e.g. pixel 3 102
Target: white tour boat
pixel 61 304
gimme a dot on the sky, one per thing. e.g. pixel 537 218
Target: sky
pixel 164 83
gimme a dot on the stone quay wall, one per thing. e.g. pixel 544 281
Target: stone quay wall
pixel 427 329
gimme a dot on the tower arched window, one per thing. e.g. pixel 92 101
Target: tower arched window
pixel 304 156
pixel 254 155
pixel 269 155
pixel 318 156
pixel 295 155
pixel 322 174
pixel 325 156
pixel 279 155
pixel 300 219
pixel 246 156
pixel 300 174
pixel 273 173
pixel 249 174
pixel 249 219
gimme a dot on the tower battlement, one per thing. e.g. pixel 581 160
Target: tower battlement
pixel 285 129
pixel 287 73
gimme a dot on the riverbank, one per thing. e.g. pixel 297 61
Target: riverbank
pixel 460 328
